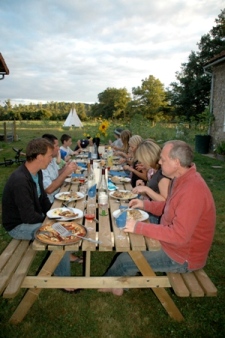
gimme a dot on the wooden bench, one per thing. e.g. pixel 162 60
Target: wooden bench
pixel 194 284
pixel 15 261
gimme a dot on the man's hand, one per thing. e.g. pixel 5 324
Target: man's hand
pixel 136 203
pixel 70 168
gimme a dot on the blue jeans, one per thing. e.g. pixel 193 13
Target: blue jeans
pixel 153 219
pixel 27 231
pixel 158 260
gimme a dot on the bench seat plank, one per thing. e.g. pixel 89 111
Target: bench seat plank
pixel 206 283
pixel 193 285
pixel 178 284
pixel 16 281
pixel 12 264
pixel 8 251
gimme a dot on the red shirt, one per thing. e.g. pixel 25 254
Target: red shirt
pixel 188 220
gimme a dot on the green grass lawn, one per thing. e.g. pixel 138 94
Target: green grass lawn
pixel 137 314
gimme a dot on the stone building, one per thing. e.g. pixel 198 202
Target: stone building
pixel 216 68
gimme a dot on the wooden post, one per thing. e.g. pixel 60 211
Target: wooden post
pixel 5 133
pixel 14 131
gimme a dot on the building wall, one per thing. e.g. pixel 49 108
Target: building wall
pixel 217 129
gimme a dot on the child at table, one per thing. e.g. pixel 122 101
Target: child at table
pixel 65 150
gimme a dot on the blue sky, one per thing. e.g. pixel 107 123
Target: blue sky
pixel 72 50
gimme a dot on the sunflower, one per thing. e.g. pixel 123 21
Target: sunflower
pixel 103 127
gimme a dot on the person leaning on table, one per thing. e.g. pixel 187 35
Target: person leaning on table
pixel 187 223
pixel 24 200
pixel 54 177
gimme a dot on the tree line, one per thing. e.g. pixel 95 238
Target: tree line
pixel 186 99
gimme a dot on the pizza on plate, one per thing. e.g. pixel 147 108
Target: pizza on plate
pixel 48 235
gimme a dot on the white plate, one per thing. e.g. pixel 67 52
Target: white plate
pixel 70 180
pixel 66 196
pixel 118 179
pixel 82 155
pixel 116 168
pixel 144 215
pixel 123 198
pixel 55 213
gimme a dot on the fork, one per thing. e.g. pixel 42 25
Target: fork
pixel 66 206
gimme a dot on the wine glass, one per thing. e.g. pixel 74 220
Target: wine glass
pixel 120 223
pixel 89 215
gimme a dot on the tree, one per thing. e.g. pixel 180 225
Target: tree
pixel 149 99
pixel 112 103
pixel 190 95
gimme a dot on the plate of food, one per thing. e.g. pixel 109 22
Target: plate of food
pixel 136 214
pixel 65 214
pixel 122 194
pixel 76 180
pixel 48 235
pixel 82 155
pixel 116 168
pixel 69 196
pixel 118 179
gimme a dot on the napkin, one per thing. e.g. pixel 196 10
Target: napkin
pixel 111 186
pixel 82 164
pixel 118 173
pixel 77 175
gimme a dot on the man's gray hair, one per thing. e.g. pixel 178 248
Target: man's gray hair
pixel 182 151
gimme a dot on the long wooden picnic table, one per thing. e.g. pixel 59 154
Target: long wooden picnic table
pixel 106 232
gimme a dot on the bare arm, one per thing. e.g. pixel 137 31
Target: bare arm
pixel 163 190
pixel 63 173
pixel 142 175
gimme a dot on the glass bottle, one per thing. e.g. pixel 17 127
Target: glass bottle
pixel 91 181
pixel 95 152
pixel 110 157
pixel 103 195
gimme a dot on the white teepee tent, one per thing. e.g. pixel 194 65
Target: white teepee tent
pixel 73 119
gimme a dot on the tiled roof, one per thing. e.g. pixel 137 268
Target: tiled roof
pixel 3 67
pixel 217 57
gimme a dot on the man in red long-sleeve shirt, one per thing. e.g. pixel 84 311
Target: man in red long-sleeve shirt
pixel 187 223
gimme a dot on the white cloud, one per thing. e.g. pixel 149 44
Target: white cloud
pixel 73 50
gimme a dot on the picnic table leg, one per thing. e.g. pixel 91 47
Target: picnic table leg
pixel 160 293
pixel 88 264
pixel 32 294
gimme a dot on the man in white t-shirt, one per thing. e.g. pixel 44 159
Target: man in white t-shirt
pixel 53 177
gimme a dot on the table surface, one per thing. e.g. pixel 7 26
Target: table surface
pixel 105 231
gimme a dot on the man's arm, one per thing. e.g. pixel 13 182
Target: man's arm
pixel 52 185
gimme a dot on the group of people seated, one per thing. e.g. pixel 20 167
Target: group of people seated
pixel 180 205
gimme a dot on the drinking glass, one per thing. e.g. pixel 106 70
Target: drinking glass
pixel 90 215
pixel 83 189
pixel 120 223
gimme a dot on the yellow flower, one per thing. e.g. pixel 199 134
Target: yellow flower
pixel 103 127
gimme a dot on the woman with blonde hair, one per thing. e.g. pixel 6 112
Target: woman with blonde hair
pixel 132 163
pixel 148 154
